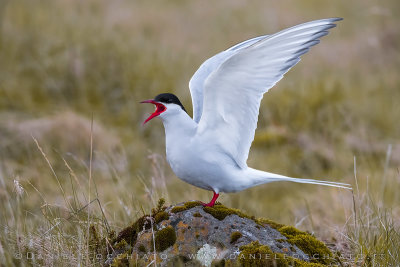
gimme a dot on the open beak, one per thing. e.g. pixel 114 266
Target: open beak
pixel 160 108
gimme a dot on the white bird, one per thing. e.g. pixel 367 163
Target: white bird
pixel 210 151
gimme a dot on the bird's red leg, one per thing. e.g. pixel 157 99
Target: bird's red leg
pixel 212 202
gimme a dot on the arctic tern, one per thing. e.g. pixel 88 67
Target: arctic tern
pixel 210 151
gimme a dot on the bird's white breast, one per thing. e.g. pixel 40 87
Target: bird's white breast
pixel 202 165
pixel 196 158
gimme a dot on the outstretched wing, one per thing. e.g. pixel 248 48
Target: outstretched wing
pixel 234 85
pixel 196 83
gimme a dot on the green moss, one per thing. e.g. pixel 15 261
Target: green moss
pixel 161 216
pixel 121 260
pixel 142 248
pixel 219 263
pixel 197 214
pixel 273 224
pixel 121 244
pixel 220 212
pixel 290 231
pixel 315 249
pixel 178 209
pixel 160 206
pixel 192 204
pixel 186 206
pixel 235 236
pixel 299 263
pixel 165 238
pixel 129 234
pixel 160 203
pixel 255 254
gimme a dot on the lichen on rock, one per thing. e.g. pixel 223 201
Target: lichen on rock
pixel 206 254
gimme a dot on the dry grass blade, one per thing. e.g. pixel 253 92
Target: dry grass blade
pixel 53 172
pixel 90 182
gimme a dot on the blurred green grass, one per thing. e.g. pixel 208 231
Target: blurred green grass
pixel 62 62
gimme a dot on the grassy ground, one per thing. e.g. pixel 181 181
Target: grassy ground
pixel 334 116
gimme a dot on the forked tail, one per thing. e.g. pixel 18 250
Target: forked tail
pixel 261 177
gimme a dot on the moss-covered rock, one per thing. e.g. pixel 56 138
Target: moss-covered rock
pixel 187 228
pixel 315 249
pixel 129 234
pixel 165 238
pixel 219 212
pixel 256 254
pixel 235 236
pixel 290 231
pixel 271 223
pixel 188 205
pixel 161 216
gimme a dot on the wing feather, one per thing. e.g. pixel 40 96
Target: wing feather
pixel 233 84
pixel 196 83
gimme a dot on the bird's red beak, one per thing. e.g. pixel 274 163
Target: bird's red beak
pixel 160 108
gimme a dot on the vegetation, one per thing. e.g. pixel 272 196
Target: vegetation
pixel 72 74
pixel 197 214
pixel 165 238
pixel 256 254
pixel 235 236
pixel 219 212
pixel 186 206
pixel 317 250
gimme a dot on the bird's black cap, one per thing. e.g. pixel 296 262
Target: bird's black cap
pixel 168 98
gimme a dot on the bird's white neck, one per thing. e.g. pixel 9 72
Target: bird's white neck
pixel 179 127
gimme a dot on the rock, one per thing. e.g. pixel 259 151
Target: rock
pixel 192 235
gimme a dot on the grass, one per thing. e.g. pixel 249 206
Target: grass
pixel 64 62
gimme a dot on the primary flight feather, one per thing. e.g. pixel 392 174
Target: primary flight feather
pixel 210 151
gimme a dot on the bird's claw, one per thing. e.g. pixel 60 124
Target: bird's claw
pixel 206 204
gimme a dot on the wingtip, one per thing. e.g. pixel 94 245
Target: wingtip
pixel 331 20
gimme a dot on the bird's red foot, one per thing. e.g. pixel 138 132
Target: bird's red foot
pixel 212 202
pixel 206 204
